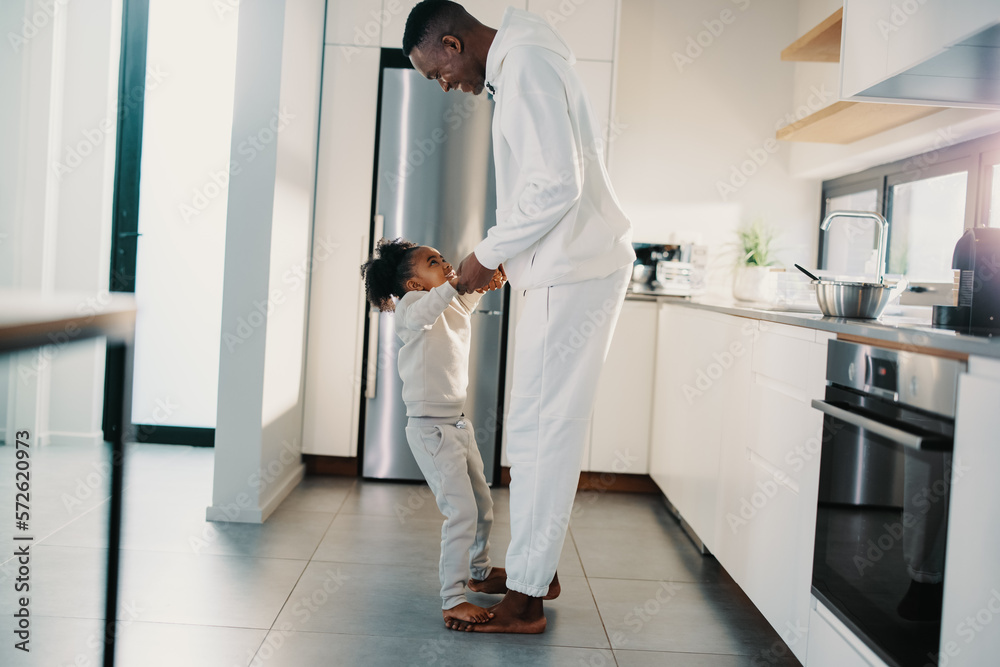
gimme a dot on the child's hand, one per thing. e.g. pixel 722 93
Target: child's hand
pixel 498 281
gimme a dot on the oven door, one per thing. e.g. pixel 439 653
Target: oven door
pixel 881 522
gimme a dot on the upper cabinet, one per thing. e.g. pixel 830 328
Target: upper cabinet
pixel 939 52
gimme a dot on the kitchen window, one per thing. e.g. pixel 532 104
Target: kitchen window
pixel 928 199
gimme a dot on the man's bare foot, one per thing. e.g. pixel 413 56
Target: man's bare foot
pixel 554 588
pixel 495 582
pixel 465 614
pixel 517 613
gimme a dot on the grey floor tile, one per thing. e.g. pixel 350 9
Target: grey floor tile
pixel 401 500
pixel 659 659
pixel 404 601
pixel 681 617
pixel 642 511
pixel 205 589
pixel 319 494
pixel 308 649
pixel 57 641
pixel 184 529
pixel 655 554
pixel 381 540
pixel 64 581
pixel 172 644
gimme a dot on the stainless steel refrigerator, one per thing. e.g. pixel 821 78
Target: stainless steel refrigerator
pixel 435 186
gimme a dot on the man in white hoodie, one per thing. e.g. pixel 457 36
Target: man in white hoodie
pixel 564 241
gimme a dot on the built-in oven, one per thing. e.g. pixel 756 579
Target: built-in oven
pixel 885 480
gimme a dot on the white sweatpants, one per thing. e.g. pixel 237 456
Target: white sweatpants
pixel 446 451
pixel 560 346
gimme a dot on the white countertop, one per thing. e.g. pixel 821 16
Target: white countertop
pixel 912 329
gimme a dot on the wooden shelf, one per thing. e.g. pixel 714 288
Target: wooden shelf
pixel 819 45
pixel 847 122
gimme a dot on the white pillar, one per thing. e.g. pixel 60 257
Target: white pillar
pixel 268 235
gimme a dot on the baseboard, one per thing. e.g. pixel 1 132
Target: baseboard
pixel 319 464
pixel 256 514
pixel 603 481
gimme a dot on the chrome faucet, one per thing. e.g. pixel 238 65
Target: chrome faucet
pixel 883 237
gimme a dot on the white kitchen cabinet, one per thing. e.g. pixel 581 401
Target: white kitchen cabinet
pixel 356 23
pixel 488 12
pixel 770 478
pixel 702 370
pixel 588 26
pixel 914 51
pixel 864 50
pixel 619 441
pixel 831 643
pixel 972 579
pixel 340 241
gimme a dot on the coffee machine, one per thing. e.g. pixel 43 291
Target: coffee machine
pixel 977 260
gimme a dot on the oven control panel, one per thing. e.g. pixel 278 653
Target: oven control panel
pixel 919 380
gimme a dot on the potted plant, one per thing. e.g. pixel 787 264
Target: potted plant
pixel 752 277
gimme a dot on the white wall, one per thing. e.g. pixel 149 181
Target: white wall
pixel 61 77
pixel 694 119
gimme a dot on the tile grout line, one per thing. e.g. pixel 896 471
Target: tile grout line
pixel 306 567
pixel 611 647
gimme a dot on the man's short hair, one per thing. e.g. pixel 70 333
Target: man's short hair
pixel 432 20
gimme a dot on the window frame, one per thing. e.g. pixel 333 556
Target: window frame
pixel 976 157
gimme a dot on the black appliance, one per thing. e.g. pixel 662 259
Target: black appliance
pixel 977 257
pixel 882 515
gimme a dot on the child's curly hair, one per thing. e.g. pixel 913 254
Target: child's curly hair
pixel 387 271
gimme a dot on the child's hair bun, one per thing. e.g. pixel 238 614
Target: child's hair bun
pixel 386 272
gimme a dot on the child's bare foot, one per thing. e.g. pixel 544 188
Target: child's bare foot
pixel 464 615
pixel 495 582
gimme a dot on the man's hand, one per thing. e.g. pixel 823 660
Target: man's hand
pixel 472 275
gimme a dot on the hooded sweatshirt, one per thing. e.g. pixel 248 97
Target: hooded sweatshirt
pixel 558 220
pixel 435 328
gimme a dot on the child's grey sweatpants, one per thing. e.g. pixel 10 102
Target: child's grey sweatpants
pixel 446 451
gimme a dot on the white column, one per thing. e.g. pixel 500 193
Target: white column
pixel 269 224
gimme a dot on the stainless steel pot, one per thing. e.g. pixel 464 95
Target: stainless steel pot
pixel 857 300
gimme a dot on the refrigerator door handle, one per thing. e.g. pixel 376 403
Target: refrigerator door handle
pixel 377 229
pixel 372 352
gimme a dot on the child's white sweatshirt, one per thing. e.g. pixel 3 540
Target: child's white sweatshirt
pixel 435 328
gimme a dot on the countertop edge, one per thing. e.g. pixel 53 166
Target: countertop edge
pixel 900 334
